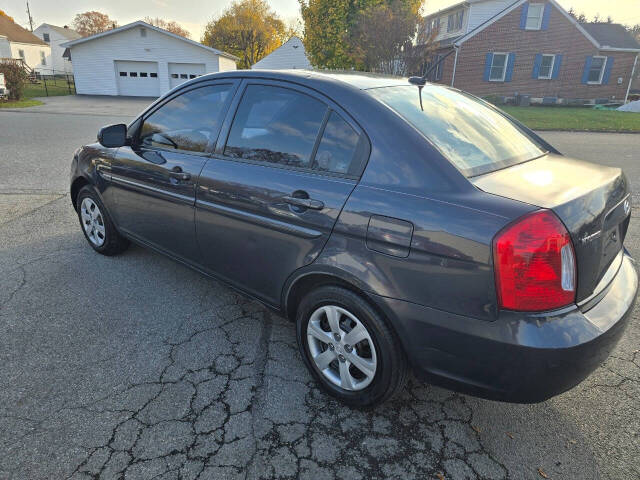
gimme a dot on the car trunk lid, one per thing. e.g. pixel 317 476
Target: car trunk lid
pixel 592 201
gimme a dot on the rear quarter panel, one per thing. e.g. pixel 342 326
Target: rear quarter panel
pixel 449 265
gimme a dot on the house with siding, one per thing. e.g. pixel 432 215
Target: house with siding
pixel 55 36
pixel 20 44
pixel 508 48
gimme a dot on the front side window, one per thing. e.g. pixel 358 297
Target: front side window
pixel 470 134
pixel 21 54
pixel 597 69
pixel 275 125
pixel 337 147
pixel 43 58
pixel 546 66
pixel 498 67
pixel 45 37
pixel 188 122
pixel 534 16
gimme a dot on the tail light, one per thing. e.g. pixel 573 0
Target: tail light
pixel 535 265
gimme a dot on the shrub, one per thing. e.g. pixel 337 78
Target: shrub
pixel 15 77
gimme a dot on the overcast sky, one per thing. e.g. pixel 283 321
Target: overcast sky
pixel 194 14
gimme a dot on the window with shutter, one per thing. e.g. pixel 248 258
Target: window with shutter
pixel 534 16
pixel 546 67
pixel 596 70
pixel 498 67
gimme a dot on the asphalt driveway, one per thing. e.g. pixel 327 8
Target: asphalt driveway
pixel 137 367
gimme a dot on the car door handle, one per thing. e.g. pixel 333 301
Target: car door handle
pixel 178 174
pixel 304 202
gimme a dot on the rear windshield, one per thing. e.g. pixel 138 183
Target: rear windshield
pixel 474 137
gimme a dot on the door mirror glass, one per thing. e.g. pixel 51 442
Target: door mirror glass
pixel 113 136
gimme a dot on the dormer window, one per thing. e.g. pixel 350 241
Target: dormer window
pixel 143 32
pixel 534 16
pixel 45 37
pixel 454 22
pixel 433 25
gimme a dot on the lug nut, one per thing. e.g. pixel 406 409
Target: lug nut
pixel 348 348
pixel 341 358
pixel 336 336
pixel 331 347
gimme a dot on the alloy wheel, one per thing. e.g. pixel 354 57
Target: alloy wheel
pixel 341 348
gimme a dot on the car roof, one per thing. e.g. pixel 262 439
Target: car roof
pixel 358 80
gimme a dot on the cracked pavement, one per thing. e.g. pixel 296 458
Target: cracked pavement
pixel 137 367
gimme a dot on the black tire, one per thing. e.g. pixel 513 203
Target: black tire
pixel 392 367
pixel 114 243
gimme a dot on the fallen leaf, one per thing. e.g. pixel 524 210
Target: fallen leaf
pixel 510 435
pixel 542 474
pixel 477 430
pixel 440 476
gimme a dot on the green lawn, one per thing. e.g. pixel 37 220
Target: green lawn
pixel 32 90
pixel 568 118
pixel 38 90
pixel 25 102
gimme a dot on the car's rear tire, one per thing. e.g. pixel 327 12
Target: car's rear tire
pixel 349 347
pixel 97 225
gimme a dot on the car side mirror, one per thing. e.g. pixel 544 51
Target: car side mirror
pixel 113 136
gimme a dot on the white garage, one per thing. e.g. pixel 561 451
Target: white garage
pixel 141 60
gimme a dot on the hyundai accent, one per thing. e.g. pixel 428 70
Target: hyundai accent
pixel 401 227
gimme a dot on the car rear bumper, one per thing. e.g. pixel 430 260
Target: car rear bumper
pixel 518 357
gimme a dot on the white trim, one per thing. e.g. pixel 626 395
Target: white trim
pixel 553 64
pixel 633 71
pixel 504 69
pixel 140 23
pixel 43 44
pixel 602 69
pixel 455 64
pixel 617 49
pixel 539 26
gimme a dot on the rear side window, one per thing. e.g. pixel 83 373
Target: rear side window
pixel 188 122
pixel 472 136
pixel 275 125
pixel 337 147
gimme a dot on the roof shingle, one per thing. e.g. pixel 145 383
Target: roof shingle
pixel 15 33
pixel 611 35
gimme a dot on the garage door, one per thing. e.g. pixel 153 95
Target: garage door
pixel 138 79
pixel 181 72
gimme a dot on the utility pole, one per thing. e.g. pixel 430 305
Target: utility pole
pixel 30 17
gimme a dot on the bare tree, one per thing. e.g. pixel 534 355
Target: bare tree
pixel 168 25
pixel 383 36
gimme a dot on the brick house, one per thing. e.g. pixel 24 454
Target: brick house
pixel 507 47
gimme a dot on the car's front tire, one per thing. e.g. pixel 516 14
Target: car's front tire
pixel 349 347
pixel 97 225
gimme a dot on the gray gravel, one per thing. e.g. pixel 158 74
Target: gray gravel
pixel 137 367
